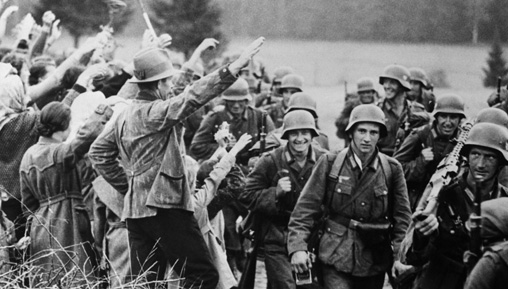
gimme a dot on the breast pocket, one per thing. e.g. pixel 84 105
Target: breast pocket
pixel 341 195
pixel 380 207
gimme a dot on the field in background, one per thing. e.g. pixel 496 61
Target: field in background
pixel 327 65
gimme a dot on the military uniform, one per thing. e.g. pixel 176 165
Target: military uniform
pixel 416 170
pixel 375 196
pixel 444 252
pixel 203 145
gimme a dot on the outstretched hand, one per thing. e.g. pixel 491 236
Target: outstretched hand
pixel 208 43
pixel 246 55
pixel 240 144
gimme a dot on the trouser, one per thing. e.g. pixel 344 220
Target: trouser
pixel 334 279
pixel 172 235
pixel 278 270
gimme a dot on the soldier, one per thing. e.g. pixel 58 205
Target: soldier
pixel 421 89
pixel 291 83
pixel 397 109
pixel 426 146
pixel 490 271
pixel 273 95
pixel 241 117
pixel 273 187
pixel 441 238
pixel 365 194
pixel 367 93
pixel 303 101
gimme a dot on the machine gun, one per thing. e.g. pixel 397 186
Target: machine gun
pixel 447 169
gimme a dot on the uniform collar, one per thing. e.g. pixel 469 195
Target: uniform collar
pixel 244 115
pixel 372 163
pixel 311 156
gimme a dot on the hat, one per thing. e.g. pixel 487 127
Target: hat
pixel 238 91
pixel 152 64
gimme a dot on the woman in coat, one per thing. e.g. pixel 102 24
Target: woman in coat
pixel 51 193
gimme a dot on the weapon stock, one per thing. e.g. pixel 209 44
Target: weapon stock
pixel 262 134
pixel 445 172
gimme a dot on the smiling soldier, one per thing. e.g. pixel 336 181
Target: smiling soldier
pixel 426 146
pixel 365 194
pixel 273 187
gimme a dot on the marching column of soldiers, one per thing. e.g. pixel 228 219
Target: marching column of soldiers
pixel 142 175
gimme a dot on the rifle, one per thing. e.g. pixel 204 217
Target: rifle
pixel 447 169
pixel 472 256
pixel 345 92
pixel 254 223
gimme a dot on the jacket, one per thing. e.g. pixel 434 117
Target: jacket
pixel 416 170
pixel 394 122
pixel 51 193
pixel 341 246
pixel 203 144
pixel 444 251
pixel 147 139
pixel 260 191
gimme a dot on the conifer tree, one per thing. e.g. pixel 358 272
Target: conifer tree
pixel 496 64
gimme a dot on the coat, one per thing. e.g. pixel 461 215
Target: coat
pixel 147 136
pixel 444 251
pixel 51 193
pixel 203 145
pixel 376 191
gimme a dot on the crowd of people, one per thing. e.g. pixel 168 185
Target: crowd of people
pixel 157 173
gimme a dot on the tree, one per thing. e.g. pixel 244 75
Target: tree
pixel 496 64
pixel 188 22
pixel 81 17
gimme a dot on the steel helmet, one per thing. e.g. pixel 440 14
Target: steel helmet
pixel 488 135
pixel 292 81
pixel 298 119
pixel 280 72
pixel 303 101
pixel 239 90
pixel 368 113
pixel 493 115
pixel 397 72
pixel 449 103
pixel 365 84
pixel 418 74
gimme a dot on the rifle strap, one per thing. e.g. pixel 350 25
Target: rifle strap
pixel 280 163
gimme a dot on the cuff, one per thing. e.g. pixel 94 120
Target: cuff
pixel 225 74
pixel 79 88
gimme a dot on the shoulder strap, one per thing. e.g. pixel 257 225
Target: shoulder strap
pixel 387 170
pixel 333 178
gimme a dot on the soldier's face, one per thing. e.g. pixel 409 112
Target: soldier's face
pixel 483 163
pixel 165 87
pixel 236 107
pixel 416 88
pixel 392 87
pixel 299 141
pixel 447 123
pixel 367 97
pixel 364 138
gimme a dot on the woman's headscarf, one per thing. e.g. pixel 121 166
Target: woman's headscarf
pixel 12 98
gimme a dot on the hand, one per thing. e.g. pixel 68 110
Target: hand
pixel 246 55
pixel 425 225
pixel 94 71
pixel 148 40
pixel 300 262
pixel 164 40
pixel 427 154
pixel 208 43
pixel 25 27
pixel 97 42
pixel 9 11
pixel 283 186
pixel 398 268
pixel 23 243
pixel 56 32
pixel 241 144
pixel 48 18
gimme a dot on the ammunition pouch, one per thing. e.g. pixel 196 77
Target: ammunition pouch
pixel 371 234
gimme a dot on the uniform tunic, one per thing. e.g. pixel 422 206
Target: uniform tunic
pixel 341 246
pixel 445 251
